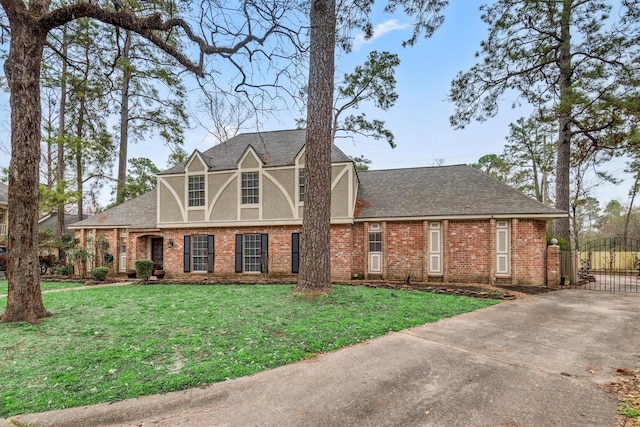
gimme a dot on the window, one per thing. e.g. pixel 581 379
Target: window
pixel 435 248
pixel 503 248
pixel 301 185
pixel 196 190
pixel 375 248
pixel 199 252
pixel 252 253
pixel 250 188
pixel 375 241
pixel 123 250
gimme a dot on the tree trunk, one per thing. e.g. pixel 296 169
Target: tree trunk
pixel 315 263
pixel 22 68
pixel 562 227
pixel 634 191
pixel 61 142
pixel 82 110
pixel 124 121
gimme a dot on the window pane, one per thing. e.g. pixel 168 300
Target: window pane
pixel 199 253
pixel 196 190
pixel 375 242
pixel 250 188
pixel 251 252
pixel 301 185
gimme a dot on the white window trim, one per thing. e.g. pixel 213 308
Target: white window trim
pixel 257 204
pixel 375 258
pixel 435 252
pixel 193 252
pixel 204 178
pixel 503 254
pixel 122 267
pixel 244 253
pixel 300 170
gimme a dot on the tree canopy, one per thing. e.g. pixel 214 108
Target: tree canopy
pixel 245 36
pixel 575 61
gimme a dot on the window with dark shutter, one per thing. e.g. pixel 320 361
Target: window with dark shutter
pixel 295 252
pixel 238 253
pixel 264 253
pixel 211 253
pixel 187 254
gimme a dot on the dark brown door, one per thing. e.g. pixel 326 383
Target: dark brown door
pixel 156 252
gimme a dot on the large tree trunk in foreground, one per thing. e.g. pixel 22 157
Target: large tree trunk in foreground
pixel 22 68
pixel 315 263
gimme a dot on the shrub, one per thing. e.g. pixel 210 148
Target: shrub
pixel 99 273
pixel 63 270
pixel 144 269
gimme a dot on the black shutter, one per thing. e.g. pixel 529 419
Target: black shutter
pixel 187 254
pixel 264 253
pixel 295 252
pixel 211 253
pixel 238 253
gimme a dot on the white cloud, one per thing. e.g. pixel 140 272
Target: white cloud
pixel 379 31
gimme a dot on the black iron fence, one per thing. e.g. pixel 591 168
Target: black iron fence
pixel 611 265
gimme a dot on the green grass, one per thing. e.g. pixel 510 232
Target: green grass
pixel 630 408
pixel 108 344
pixel 46 286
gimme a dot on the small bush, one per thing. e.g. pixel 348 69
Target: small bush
pixel 144 269
pixel 99 273
pixel 63 270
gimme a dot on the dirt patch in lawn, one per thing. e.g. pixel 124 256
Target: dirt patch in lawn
pixel 503 292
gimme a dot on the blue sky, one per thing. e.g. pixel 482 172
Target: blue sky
pixel 420 118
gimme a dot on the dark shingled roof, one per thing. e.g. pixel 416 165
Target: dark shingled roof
pixel 51 221
pixel 458 190
pixel 4 193
pixel 276 148
pixel 138 213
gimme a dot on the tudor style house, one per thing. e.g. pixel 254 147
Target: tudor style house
pixel 235 211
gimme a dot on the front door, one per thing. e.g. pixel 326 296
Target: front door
pixel 156 252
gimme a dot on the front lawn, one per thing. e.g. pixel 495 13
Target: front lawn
pixel 45 286
pixel 107 344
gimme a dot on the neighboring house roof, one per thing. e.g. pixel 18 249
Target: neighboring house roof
pixel 4 193
pixel 51 221
pixel 137 213
pixel 443 191
pixel 276 148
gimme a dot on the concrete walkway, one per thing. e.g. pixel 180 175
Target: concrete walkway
pixel 534 362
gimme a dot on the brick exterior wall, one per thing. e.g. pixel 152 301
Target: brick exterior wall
pixel 402 250
pixel 468 257
pixel 359 249
pixel 528 250
pixel 468 251
pixel 279 259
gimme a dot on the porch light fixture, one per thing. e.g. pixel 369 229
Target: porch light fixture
pixel 170 243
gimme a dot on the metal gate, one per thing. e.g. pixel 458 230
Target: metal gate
pixel 611 265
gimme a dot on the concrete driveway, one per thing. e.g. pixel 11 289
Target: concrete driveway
pixel 535 362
